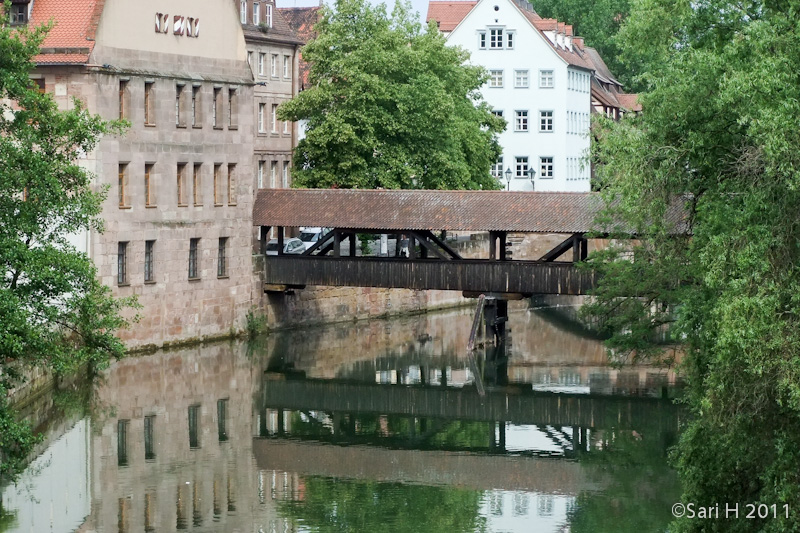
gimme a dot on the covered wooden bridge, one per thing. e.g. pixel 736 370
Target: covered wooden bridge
pixel 423 218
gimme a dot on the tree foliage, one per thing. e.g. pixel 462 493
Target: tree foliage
pixel 391 106
pixel 54 312
pixel 719 128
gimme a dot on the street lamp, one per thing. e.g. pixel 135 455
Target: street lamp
pixel 508 178
pixel 531 174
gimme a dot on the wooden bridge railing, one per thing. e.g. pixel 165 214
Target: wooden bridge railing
pixel 473 275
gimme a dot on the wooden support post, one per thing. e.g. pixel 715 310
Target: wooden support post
pixel 584 248
pixel 263 238
pixel 352 238
pixel 492 245
pixel 412 247
pixel 576 248
pixel 280 240
pixel 337 243
pixel 503 241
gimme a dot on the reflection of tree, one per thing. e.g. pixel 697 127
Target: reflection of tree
pixel 8 519
pixel 641 486
pixel 345 505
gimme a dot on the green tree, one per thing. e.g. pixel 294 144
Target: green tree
pixel 54 313
pixel 390 106
pixel 718 130
pixel 598 22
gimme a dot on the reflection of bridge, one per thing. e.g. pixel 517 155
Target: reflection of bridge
pixel 513 405
pixel 419 216
pixel 482 472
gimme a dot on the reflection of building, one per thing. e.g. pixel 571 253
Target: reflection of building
pixel 525 511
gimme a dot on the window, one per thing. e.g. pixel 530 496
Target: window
pixel 222 420
pixel 196 121
pixel 122 263
pixel 149 438
pixel 496 38
pixel 222 268
pixel 521 78
pixel 495 78
pixel 285 126
pixel 180 104
pixel 546 121
pixel 19 14
pixel 217 108
pixel 274 66
pixel 521 167
pixel 194 426
pixel 286 66
pixel 122 442
pixel 262 109
pixel 497 168
pixel 520 121
pixel 193 272
pixel 546 164
pixel 233 108
pixel 546 79
pixel 261 174
pixel 197 182
pixel 273 173
pixel 231 184
pixel 217 178
pixel 274 118
pixel 262 60
pixel 497 113
pixel 510 40
pixel 482 40
pixel 268 15
pixel 256 13
pixel 122 183
pixel 123 99
pixel 181 184
pixel 149 247
pixel 243 11
pixel 250 59
pixel 285 174
pixel 149 104
pixel 148 186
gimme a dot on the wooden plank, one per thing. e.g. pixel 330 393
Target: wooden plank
pixel 475 275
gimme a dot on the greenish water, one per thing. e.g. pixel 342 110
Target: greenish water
pixel 369 426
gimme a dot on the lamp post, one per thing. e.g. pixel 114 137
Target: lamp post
pixel 508 178
pixel 532 174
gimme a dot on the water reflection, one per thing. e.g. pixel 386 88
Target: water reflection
pixel 360 426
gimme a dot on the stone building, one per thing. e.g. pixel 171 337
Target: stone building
pixel 180 179
pixel 273 55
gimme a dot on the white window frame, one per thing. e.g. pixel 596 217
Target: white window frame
pixel 547 78
pixel 481 40
pixel 274 67
pixel 256 13
pixel 546 121
pixel 497 168
pixel 262 110
pixel 268 15
pixel 521 79
pixel 243 11
pixel 274 118
pixel 496 38
pixel 546 165
pixel 496 79
pixel 285 175
pixel 262 58
pixel 285 66
pixel 497 112
pixel 273 173
pixel 510 38
pixel 521 120
pixel 521 167
pixel 261 174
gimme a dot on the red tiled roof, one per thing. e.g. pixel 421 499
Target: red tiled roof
pixel 448 14
pixel 528 212
pixel 629 101
pixel 71 39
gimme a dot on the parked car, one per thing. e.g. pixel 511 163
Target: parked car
pixel 310 236
pixel 290 246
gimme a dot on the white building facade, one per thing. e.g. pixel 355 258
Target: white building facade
pixel 540 83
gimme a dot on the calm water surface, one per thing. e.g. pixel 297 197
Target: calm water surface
pixel 369 426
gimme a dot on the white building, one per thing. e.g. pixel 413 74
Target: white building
pixel 540 82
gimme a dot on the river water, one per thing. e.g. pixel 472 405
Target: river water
pixel 384 425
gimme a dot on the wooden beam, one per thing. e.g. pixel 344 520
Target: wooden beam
pixel 280 240
pixel 560 248
pixel 427 247
pixel 320 245
pixel 443 245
